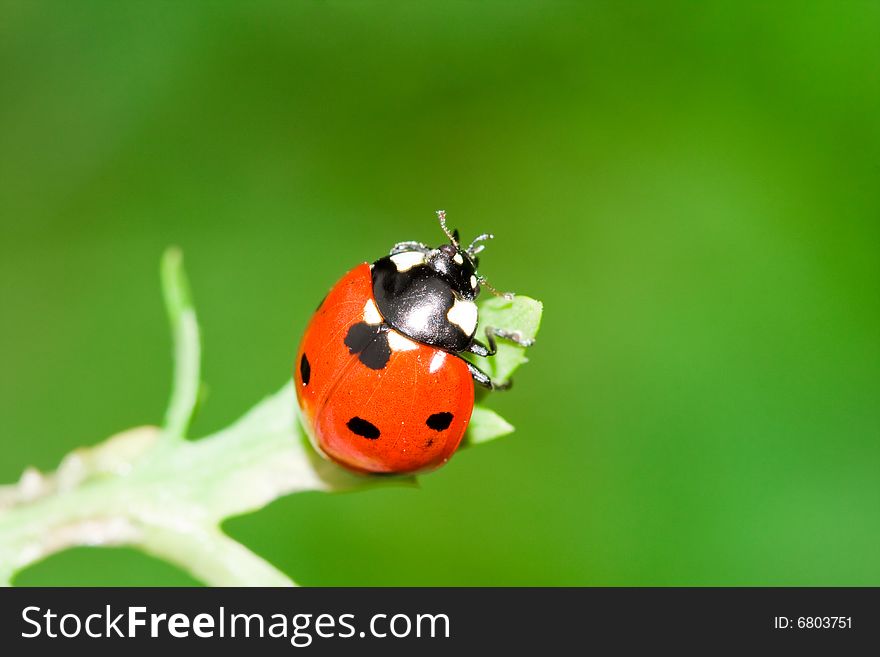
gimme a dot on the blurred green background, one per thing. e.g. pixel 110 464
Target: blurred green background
pixel 692 190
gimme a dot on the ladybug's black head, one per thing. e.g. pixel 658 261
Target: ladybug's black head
pixel 458 266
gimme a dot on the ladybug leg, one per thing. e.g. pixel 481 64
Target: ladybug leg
pixel 513 336
pixel 484 379
pixel 400 247
pixel 480 349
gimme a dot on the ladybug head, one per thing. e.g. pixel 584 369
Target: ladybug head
pixel 456 265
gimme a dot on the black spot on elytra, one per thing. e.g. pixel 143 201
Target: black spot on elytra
pixel 370 343
pixel 363 428
pixel 359 336
pixel 439 421
pixel 305 370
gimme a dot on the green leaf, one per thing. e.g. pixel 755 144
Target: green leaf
pixel 485 425
pixel 520 315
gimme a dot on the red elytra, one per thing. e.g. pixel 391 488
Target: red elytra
pixel 407 416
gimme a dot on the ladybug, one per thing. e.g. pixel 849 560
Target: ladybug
pixel 379 375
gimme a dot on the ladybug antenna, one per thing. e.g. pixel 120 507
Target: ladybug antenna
pixel 504 295
pixel 473 249
pixel 441 215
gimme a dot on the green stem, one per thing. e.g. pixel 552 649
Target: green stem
pixel 165 498
pixel 168 498
pixel 187 351
pixel 213 557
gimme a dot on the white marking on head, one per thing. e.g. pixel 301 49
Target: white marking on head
pixel 398 342
pixel 464 315
pixel 371 313
pixel 437 361
pixel 474 282
pixel 458 259
pixel 407 260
